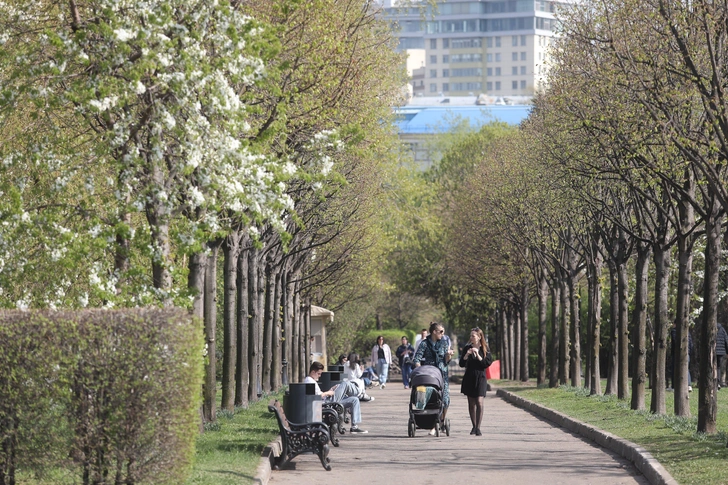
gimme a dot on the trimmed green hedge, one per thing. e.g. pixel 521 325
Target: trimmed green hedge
pixel 99 396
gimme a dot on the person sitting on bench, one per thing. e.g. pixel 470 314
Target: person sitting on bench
pixel 338 394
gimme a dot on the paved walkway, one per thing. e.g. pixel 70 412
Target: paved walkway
pixel 516 448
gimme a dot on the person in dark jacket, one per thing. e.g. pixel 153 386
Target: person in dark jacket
pixel 721 349
pixel 475 357
pixel 405 353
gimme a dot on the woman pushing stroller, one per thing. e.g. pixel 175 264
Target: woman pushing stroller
pixel 434 350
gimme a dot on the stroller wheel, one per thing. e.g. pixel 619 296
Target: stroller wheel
pixel 447 426
pixel 411 429
pixel 437 431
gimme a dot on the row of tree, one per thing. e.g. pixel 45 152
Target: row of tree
pixel 622 163
pixel 139 140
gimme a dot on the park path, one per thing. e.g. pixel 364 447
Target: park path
pixel 516 448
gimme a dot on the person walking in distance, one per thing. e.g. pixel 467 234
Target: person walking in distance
pixel 382 358
pixel 475 357
pixel 420 337
pixel 434 351
pixel 721 349
pixel 405 353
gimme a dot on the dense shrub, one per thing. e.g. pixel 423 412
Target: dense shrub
pixel 99 396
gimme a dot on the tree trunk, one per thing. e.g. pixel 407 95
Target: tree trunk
pixel 555 333
pixel 613 362
pixel 268 297
pixel 253 330
pixel 210 388
pixel 196 283
pixel 123 247
pixel 679 376
pixel 707 399
pixel 543 294
pixel 306 347
pixel 524 331
pixel 508 340
pixel 275 382
pixel 639 327
pixel 505 373
pixel 662 274
pixel 158 216
pixel 623 335
pixel 231 250
pixel 242 370
pixel 564 351
pixel 260 323
pixel 296 321
pixel 575 354
pixel 596 324
pixel 516 341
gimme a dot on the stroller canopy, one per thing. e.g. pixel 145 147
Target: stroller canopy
pixel 426 375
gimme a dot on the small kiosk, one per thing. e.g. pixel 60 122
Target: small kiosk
pixel 319 318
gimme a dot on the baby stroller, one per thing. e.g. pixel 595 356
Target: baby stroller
pixel 426 401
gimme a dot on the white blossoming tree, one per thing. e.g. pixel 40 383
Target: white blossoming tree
pixel 140 116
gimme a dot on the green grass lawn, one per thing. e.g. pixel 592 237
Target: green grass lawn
pixel 690 457
pixel 229 451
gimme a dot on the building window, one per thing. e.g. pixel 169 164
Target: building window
pixel 433 72
pixel 489 86
pixel 433 59
pixel 514 85
pixel 445 59
pixel 467 86
pixel 489 42
pixel 523 84
pixel 514 56
pixel 454 58
pixel 446 73
pixel 523 40
pixel 497 42
pixel 468 72
pixel 433 43
pixel 489 71
pixel 497 57
pixel 433 88
pixel 445 87
pixel 446 43
pixel 514 40
pixel 523 56
pixel 489 57
pixel 497 71
pixel 523 70
pixel 497 85
pixel 465 43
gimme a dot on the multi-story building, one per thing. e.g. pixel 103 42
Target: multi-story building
pixel 477 46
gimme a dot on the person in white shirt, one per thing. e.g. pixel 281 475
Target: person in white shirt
pixel 422 335
pixel 349 402
pixel 353 373
pixel 382 358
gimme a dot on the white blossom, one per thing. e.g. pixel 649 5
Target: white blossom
pixel 123 34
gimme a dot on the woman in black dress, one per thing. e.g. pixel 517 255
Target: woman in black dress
pixel 475 357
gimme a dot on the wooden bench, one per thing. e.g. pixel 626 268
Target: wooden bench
pixel 300 438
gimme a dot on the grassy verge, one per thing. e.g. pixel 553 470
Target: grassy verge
pixel 690 457
pixel 228 452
